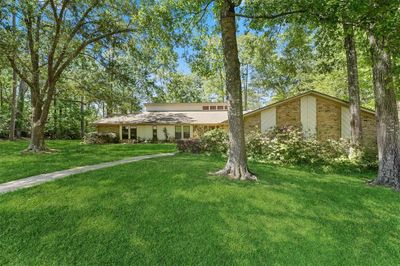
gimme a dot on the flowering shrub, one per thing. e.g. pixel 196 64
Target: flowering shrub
pixel 289 146
pixel 189 145
pixel 215 141
pixel 100 138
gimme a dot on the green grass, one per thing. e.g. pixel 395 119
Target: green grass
pixel 15 165
pixel 170 211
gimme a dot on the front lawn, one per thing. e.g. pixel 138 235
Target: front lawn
pixel 70 153
pixel 170 211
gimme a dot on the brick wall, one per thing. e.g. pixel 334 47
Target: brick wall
pixel 252 122
pixel 288 114
pixel 368 123
pixel 328 119
pixel 108 129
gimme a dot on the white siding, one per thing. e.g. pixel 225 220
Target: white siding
pixel 309 115
pixel 191 131
pixel 345 123
pixel 180 106
pixel 161 134
pixel 268 119
pixel 145 132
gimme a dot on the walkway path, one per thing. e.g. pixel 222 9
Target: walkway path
pixel 39 179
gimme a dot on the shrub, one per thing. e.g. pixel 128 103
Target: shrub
pixel 215 141
pixel 189 145
pixel 100 138
pixel 289 146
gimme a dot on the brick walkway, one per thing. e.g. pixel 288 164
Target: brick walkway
pixel 43 178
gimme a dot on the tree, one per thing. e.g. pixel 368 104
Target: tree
pixel 56 32
pixel 336 13
pixel 353 89
pixel 180 88
pixel 236 166
pixel 13 104
pixel 388 130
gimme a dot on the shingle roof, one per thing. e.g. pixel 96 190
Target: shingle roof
pixel 195 117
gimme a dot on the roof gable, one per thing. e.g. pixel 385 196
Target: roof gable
pixel 308 93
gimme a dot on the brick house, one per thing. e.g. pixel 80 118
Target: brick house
pixel 317 114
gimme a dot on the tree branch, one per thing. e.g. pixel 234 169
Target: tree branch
pixel 274 16
pixel 82 47
pixel 11 59
pixel 78 26
pixel 204 10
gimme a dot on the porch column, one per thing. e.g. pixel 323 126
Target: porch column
pixel 191 131
pixel 120 132
pixel 129 132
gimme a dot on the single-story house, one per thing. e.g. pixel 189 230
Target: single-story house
pixel 161 121
pixel 318 114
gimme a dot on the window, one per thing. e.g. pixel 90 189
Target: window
pixel 178 132
pixel 206 107
pixel 186 132
pixel 125 131
pixel 220 107
pixel 154 133
pixel 133 133
pixel 213 107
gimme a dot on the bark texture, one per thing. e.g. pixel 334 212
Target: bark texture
pixel 38 122
pixel 353 89
pixel 20 108
pixel 236 166
pixel 13 105
pixel 388 131
pixel 82 109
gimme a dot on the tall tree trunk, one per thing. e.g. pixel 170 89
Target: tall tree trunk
pixel 82 116
pixel 109 109
pixel 353 89
pixel 20 108
pixel 60 128
pixel 388 131
pixel 246 88
pixel 55 116
pixel 37 128
pixel 40 113
pixel 236 167
pixel 1 97
pixel 13 105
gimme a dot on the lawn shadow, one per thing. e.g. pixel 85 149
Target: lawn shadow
pixel 170 211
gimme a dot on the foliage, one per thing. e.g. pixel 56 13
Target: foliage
pixel 179 88
pixel 189 145
pixel 290 146
pixel 100 138
pixel 215 141
pixel 49 39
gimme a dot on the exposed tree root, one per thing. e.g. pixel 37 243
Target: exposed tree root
pixel 35 149
pixel 237 173
pixel 389 183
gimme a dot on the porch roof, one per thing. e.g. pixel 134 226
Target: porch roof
pixel 195 117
